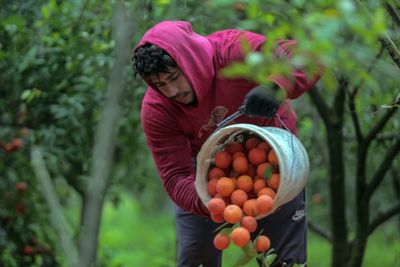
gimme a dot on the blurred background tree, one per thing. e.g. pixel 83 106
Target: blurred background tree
pixel 55 61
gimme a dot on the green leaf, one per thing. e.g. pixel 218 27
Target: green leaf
pixel 267 172
pixel 269 259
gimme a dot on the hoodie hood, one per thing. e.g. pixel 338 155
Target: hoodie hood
pixel 192 52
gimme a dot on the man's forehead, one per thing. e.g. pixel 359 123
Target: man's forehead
pixel 163 76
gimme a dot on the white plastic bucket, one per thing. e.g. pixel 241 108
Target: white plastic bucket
pixel 294 165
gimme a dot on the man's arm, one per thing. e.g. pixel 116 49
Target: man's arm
pixel 172 156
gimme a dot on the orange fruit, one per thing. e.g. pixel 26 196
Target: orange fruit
pixel 267 191
pixel 233 213
pixel 265 146
pixel 245 183
pixel 238 197
pixel 272 158
pixel 261 168
pixel 252 142
pixel 223 159
pixel 257 156
pixel 240 165
pixel 216 205
pixel 259 183
pixel 262 243
pixel 240 236
pixel 217 218
pixel 249 222
pixel 224 186
pixel 215 173
pixel 221 241
pixel 212 187
pixel 274 181
pixel 264 203
pixel 234 147
pixel 238 154
pixel 250 208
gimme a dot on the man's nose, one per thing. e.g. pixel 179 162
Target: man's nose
pixel 171 91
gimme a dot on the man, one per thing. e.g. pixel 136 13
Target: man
pixel 186 97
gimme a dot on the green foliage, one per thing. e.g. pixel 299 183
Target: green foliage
pixel 55 58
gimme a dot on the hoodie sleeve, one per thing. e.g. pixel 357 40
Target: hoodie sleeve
pixel 294 85
pixel 172 155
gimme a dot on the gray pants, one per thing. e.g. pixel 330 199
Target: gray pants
pixel 287 230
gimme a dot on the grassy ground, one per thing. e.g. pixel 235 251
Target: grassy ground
pixel 131 237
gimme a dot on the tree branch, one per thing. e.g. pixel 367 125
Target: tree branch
pixel 106 132
pixel 383 217
pixel 383 168
pixel 321 105
pixel 393 12
pixel 382 122
pixel 56 215
pixel 322 232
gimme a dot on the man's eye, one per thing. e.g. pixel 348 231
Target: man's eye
pixel 175 78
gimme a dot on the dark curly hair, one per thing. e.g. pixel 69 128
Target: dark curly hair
pixel 149 60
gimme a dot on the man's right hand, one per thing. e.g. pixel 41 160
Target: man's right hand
pixel 263 101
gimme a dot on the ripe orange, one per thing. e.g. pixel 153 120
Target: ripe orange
pixel 261 168
pixel 272 158
pixel 238 154
pixel 240 165
pixel 217 218
pixel 234 147
pixel 265 146
pixel 238 197
pixel 212 187
pixel 252 142
pixel 215 173
pixel 223 159
pixel 221 241
pixel 233 213
pixel 257 156
pixel 224 186
pixel 259 183
pixel 264 203
pixel 245 183
pixel 262 243
pixel 267 191
pixel 240 236
pixel 274 181
pixel 249 222
pixel 250 208
pixel 216 205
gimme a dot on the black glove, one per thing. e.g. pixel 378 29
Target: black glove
pixel 262 101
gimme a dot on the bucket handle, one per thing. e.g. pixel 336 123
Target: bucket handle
pixel 291 142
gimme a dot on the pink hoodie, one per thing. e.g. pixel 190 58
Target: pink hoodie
pixel 175 132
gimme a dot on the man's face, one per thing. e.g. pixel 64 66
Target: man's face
pixel 175 86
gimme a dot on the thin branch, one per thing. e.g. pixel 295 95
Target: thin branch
pixel 322 232
pixel 321 105
pixel 382 122
pixel 340 96
pixel 393 12
pixel 391 154
pixel 352 96
pixel 386 41
pixel 56 215
pixel 392 49
pixel 383 217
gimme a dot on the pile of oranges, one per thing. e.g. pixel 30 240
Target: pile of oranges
pixel 242 183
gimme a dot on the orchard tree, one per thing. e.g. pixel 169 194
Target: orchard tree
pixel 357 100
